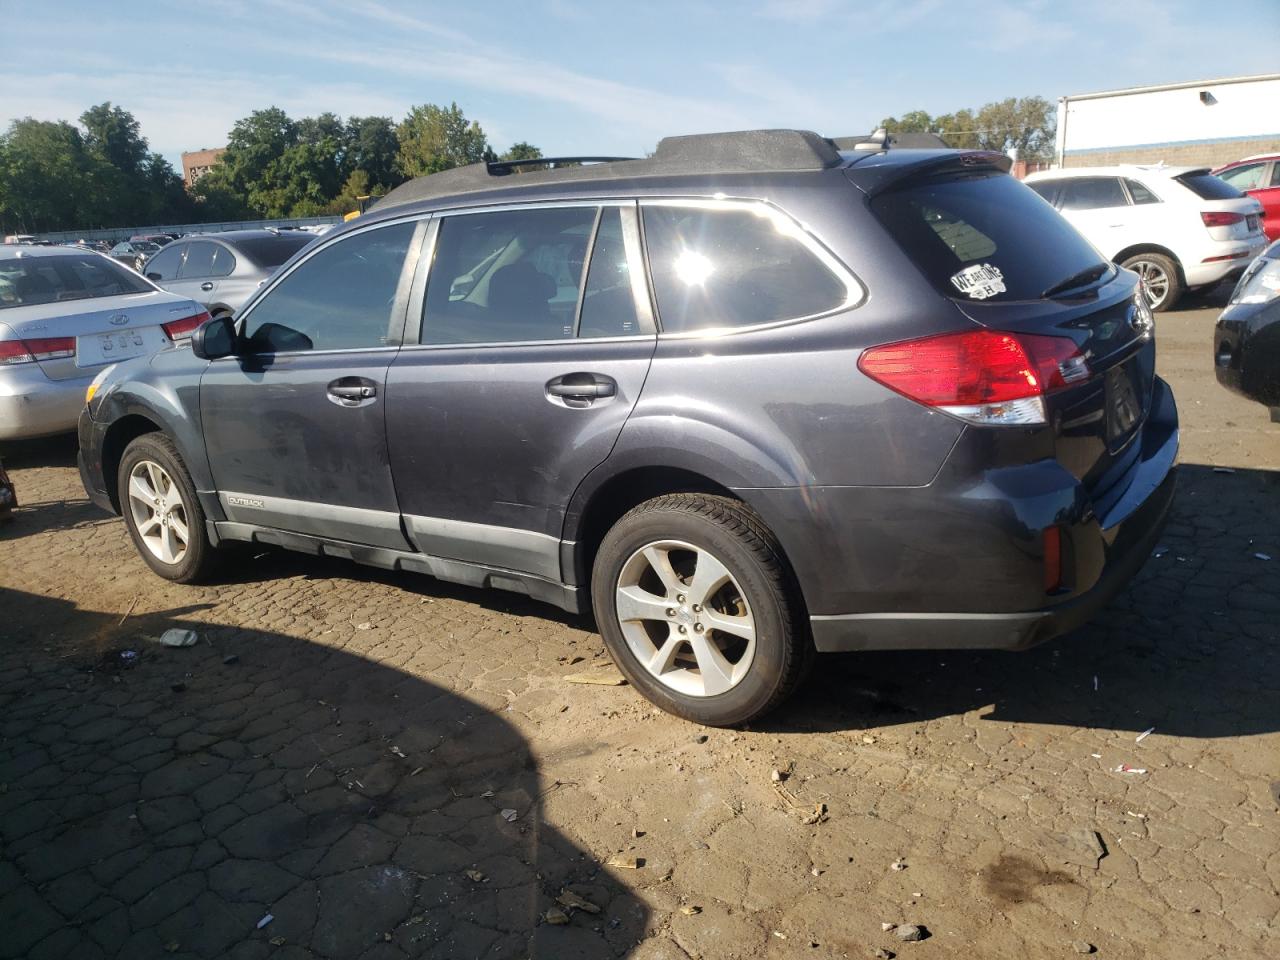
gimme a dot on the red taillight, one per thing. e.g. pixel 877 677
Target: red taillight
pixel 182 329
pixel 43 348
pixel 1220 218
pixel 1052 559
pixel 980 375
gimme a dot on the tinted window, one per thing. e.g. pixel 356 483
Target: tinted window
pixel 1139 193
pixel 608 306
pixel 1092 193
pixel 165 263
pixel 339 299
pixel 223 261
pixel 973 234
pixel 199 262
pixel 1208 187
pixel 1046 188
pixel 273 251
pixel 733 267
pixel 30 280
pixel 1248 177
pixel 503 277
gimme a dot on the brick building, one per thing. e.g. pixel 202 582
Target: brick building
pixel 1200 123
pixel 196 163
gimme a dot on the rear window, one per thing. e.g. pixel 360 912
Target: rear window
pixel 1208 187
pixel 983 236
pixel 273 251
pixel 30 280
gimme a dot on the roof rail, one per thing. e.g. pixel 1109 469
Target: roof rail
pixel 743 151
pixel 500 168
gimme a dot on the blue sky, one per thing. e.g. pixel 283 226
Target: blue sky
pixel 576 76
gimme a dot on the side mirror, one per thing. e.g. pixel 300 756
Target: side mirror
pixel 214 339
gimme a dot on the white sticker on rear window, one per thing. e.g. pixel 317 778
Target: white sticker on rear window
pixel 979 281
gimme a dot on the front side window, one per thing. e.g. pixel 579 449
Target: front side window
pixel 1092 193
pixel 507 276
pixel 1247 177
pixel 724 264
pixel 339 299
pixel 164 265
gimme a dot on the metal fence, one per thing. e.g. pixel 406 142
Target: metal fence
pixel 115 234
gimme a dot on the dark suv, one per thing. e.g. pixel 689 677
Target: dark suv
pixel 747 399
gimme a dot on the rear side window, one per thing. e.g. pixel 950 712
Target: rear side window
pixel 199 262
pixel 1247 177
pixel 507 277
pixel 734 265
pixel 1208 187
pixel 223 262
pixel 1092 193
pixel 1046 188
pixel 339 299
pixel 981 236
pixel 273 251
pixel 1139 193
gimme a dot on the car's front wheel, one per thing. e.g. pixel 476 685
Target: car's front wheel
pixel 162 512
pixel 693 598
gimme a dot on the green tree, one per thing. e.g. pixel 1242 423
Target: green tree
pixel 374 147
pixel 1027 124
pixel 434 138
pixel 522 151
pixel 113 134
pixel 47 178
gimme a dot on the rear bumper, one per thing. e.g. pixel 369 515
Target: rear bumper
pixel 32 405
pixel 960 563
pixel 1203 274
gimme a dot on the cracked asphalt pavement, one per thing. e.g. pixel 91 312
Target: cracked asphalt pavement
pixel 353 763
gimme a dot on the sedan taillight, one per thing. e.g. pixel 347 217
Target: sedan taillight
pixel 31 350
pixel 1220 218
pixel 182 329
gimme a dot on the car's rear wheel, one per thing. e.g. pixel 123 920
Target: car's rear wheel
pixel 161 510
pixel 694 601
pixel 1159 277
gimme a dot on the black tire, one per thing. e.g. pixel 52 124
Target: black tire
pixel 199 559
pixel 1153 264
pixel 736 538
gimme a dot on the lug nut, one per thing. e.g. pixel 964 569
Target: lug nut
pixel 683 628
pixel 680 598
pixel 697 608
pixel 671 611
pixel 699 627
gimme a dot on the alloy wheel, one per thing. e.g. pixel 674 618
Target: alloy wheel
pixel 685 618
pixel 1155 281
pixel 158 511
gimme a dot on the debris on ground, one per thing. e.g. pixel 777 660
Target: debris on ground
pixel 1131 813
pixel 1144 734
pixel 603 675
pixel 886 927
pixel 231 658
pixel 690 910
pixel 277 941
pixel 177 637
pixel 897 865
pixel 701 738
pixel 265 920
pixel 910 932
pixel 625 863
pixel 819 815
pixel 487 794
pixel 475 876
pixel 1159 552
pixel 568 898
pixel 1082 946
pixel 510 815
pixel 364 626
pixel 556 917
pixel 399 753
pixel 882 954
pixel 1263 556
pixel 636 833
pixel 128 657
pixel 1125 768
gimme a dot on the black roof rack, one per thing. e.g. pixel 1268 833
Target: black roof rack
pixel 743 151
pixel 500 168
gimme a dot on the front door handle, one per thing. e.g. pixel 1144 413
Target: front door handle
pixel 352 391
pixel 206 286
pixel 581 389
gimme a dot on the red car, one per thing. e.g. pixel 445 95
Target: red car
pixel 1259 177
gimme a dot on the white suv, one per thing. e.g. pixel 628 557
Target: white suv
pixel 1179 228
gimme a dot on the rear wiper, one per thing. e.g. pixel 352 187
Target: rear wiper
pixel 1087 275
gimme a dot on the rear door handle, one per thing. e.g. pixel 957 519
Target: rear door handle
pixel 206 286
pixel 352 391
pixel 581 389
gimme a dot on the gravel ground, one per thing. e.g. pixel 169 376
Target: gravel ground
pixel 388 766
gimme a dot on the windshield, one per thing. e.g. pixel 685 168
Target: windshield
pixel 273 251
pixel 29 280
pixel 985 236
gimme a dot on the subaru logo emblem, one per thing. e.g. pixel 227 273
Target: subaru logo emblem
pixel 120 319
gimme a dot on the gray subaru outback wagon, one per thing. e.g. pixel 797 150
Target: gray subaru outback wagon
pixel 746 400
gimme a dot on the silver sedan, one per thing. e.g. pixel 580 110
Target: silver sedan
pixel 65 315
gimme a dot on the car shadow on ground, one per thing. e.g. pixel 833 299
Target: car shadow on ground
pixel 258 791
pixel 1190 647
